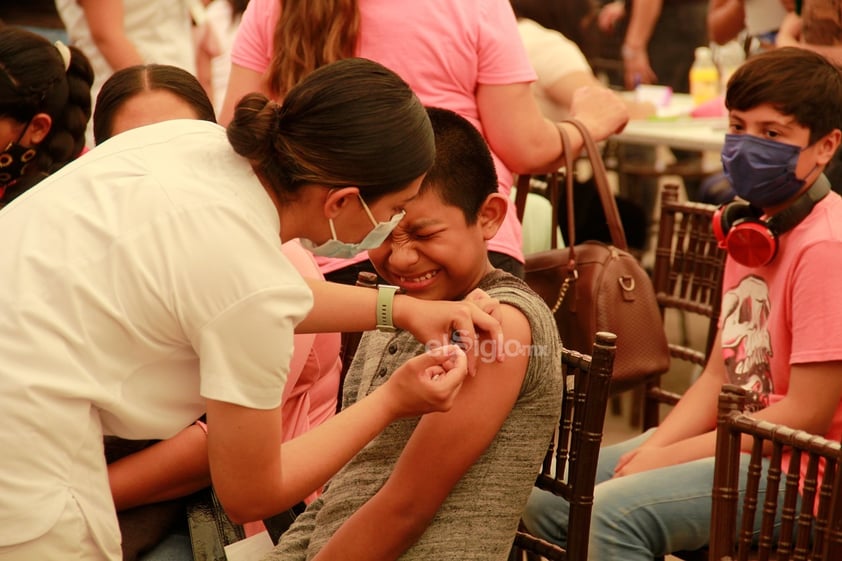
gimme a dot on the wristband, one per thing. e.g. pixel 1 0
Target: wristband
pixel 385 298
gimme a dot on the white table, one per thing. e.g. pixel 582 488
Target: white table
pixel 687 133
pixel 672 128
pixel 676 129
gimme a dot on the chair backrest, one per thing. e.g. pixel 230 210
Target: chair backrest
pixel 688 265
pixel 687 277
pixel 569 467
pixel 811 530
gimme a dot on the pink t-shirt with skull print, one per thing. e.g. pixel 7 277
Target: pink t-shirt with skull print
pixel 789 311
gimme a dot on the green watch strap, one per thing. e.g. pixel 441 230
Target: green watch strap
pixel 385 298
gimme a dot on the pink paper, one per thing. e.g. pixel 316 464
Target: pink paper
pixel 713 108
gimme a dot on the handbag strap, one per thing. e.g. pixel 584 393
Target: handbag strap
pixel 568 194
pixel 523 188
pixel 606 197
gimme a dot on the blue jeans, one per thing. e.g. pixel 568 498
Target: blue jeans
pixel 175 547
pixel 640 516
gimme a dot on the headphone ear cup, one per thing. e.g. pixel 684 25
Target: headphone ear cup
pixel 751 242
pixel 726 216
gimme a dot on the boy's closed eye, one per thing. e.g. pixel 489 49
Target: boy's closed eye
pixel 410 235
pixel 424 230
pixel 424 235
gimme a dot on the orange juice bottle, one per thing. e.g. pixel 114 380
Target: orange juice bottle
pixel 704 77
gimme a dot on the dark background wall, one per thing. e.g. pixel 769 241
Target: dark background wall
pixel 36 13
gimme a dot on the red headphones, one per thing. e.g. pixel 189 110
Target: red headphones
pixel 752 241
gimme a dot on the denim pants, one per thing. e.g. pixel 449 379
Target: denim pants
pixel 640 516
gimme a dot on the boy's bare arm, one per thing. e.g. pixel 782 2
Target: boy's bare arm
pixel 442 449
pixel 810 403
pixel 695 413
pixel 811 400
pixel 692 420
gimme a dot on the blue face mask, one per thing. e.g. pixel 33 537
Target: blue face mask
pixel 344 250
pixel 762 171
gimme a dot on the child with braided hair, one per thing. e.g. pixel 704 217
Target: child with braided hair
pixel 45 106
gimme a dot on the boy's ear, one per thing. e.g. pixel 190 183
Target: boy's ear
pixel 338 199
pixel 827 146
pixel 491 214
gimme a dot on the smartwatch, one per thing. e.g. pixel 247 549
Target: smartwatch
pixel 385 298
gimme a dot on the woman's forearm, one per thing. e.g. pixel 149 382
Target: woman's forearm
pixel 281 476
pixel 726 18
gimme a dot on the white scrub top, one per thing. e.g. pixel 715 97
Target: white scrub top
pixel 135 283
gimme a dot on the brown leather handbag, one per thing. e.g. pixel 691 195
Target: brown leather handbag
pixel 594 286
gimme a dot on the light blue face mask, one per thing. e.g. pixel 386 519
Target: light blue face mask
pixel 345 250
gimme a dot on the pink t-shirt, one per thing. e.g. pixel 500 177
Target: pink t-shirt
pixel 442 48
pixel 312 387
pixel 788 312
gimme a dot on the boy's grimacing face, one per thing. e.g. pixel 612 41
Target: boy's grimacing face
pixel 767 122
pixel 433 253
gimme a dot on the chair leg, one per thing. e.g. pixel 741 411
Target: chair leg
pixel 636 411
pixel 617 405
pixel 638 393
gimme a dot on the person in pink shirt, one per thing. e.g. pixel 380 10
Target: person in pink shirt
pixel 464 56
pixel 779 326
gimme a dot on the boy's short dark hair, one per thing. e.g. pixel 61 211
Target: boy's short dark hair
pixel 463 172
pixel 796 82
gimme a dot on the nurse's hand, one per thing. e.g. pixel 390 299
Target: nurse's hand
pixel 486 303
pixel 428 382
pixel 437 323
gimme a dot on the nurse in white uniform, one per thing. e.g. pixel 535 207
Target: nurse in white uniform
pixel 144 285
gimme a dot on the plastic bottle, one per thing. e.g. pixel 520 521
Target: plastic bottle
pixel 728 57
pixel 704 77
